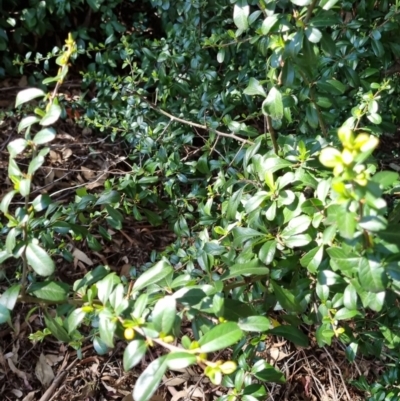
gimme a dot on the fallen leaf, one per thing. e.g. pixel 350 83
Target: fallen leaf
pixel 30 396
pixel 43 371
pixel 81 256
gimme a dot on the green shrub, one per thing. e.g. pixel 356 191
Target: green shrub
pixel 281 224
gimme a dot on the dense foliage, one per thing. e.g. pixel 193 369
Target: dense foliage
pixel 252 127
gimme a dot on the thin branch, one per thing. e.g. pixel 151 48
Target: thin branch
pixel 272 134
pixel 192 124
pixel 310 11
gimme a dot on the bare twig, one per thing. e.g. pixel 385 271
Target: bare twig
pixel 192 124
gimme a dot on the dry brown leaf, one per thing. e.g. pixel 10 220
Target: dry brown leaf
pixel 23 81
pixel 43 371
pixel 81 256
pixel 53 359
pixel 128 398
pixel 67 153
pixel 30 396
pixel 17 393
pixel 88 173
pixel 19 373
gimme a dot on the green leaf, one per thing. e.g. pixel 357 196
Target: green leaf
pixel 254 88
pixel 56 329
pixel 27 122
pixel 373 223
pixel 243 234
pixel 328 4
pixel 268 23
pixel 108 198
pixel 4 315
pixel 107 327
pixel 5 202
pixel 51 116
pixel 273 105
pixel 148 382
pixel 25 186
pixel 180 360
pixel 265 372
pixel 372 276
pixel 296 226
pixel 301 3
pixel 9 297
pixel 253 267
pixel 155 274
pixel 27 95
pixel 49 290
pixel 385 178
pixel 241 11
pixel 267 252
pixel 255 323
pixel 291 333
pixel 314 35
pixel 233 203
pixel 39 260
pixel 134 353
pixel 35 164
pixel 164 314
pixel 286 298
pixel 99 346
pixel 297 241
pixel 350 297
pixel 220 337
pixel 344 314
pixel 347 224
pixel 17 146
pixel 312 259
pixel 256 200
pixel 43 136
pixel 106 286
pixel 75 319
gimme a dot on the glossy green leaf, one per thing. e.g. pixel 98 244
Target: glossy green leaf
pixel 273 105
pixel 134 353
pixel 267 252
pixel 4 315
pixel 268 23
pixel 255 323
pixel 51 116
pixel 107 327
pixel 153 275
pixel 254 88
pixel 148 382
pixel 164 314
pixel 75 319
pixel 108 198
pixel 44 136
pixel 291 333
pixel 372 276
pixel 56 328
pixel 286 298
pixel 180 360
pixel 9 297
pixel 49 290
pixel 265 372
pixel 350 297
pixel 39 260
pixel 17 146
pixel 220 337
pixel 27 95
pixel 106 286
pixel 254 267
pixel 345 314
pixel 241 12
